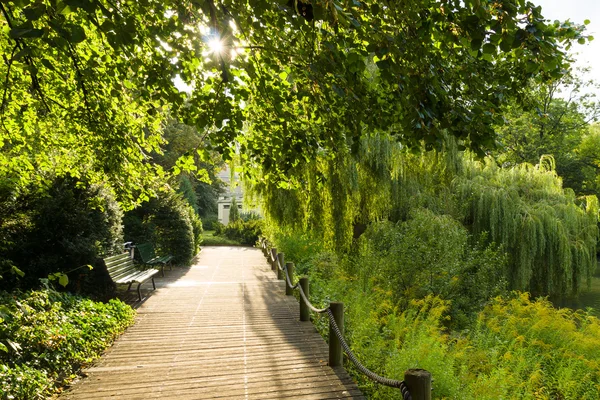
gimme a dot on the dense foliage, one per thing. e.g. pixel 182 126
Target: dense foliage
pixel 549 234
pixel 169 223
pixel 86 84
pixel 46 337
pixel 476 344
pixel 244 232
pixel 60 229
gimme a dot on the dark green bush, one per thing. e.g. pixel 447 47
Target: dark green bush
pixel 57 230
pixel 244 232
pixel 47 336
pixel 209 222
pixel 167 222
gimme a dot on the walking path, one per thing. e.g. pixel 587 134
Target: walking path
pixel 222 328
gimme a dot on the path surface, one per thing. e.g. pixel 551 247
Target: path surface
pixel 221 329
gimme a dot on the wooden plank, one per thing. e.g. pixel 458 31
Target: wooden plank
pixel 221 329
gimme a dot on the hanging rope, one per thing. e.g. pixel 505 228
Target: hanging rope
pixel 370 374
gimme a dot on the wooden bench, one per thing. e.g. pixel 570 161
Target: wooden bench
pixel 149 257
pixel 122 270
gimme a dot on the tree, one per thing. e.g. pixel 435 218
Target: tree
pixel 552 121
pixel 234 213
pixel 588 152
pixel 87 83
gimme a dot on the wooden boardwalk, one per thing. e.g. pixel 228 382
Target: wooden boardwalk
pixel 222 328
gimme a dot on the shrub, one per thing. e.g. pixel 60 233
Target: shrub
pixel 219 228
pixel 59 229
pixel 169 223
pixel 250 215
pixel 430 255
pixel 244 232
pixel 210 222
pixel 46 337
pixel 234 212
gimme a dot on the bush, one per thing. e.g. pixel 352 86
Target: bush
pixel 430 255
pixel 244 232
pixel 209 222
pixel 234 212
pixel 250 215
pixel 57 230
pixel 169 223
pixel 219 228
pixel 46 337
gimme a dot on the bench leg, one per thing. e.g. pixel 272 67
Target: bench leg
pixel 129 287
pixel 153 285
pixel 139 291
pixel 162 269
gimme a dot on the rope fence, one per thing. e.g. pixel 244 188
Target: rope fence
pixel 417 382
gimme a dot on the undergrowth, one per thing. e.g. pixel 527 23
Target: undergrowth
pixel 507 346
pixel 46 337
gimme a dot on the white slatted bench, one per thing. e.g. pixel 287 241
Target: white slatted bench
pixel 122 270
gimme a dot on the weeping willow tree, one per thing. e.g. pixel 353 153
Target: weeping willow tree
pixel 549 234
pixel 336 195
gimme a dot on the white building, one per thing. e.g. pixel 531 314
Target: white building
pixel 233 189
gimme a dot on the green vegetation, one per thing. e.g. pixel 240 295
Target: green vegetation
pixel 211 238
pixel 412 155
pixel 47 336
pixel 477 345
pixel 168 222
pixel 58 229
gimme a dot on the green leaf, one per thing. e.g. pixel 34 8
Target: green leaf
pixel 63 280
pixel 24 33
pixel 65 10
pixel 34 13
pixel 4 311
pixel 77 34
pixel 3 346
pixel 586 22
pixel 17 271
pixel 48 64
pixel 581 40
pixel 489 48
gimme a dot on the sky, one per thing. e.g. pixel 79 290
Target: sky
pixel 588 55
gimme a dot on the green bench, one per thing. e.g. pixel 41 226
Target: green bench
pixel 122 270
pixel 149 257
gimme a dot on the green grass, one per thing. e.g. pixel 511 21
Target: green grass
pixel 209 239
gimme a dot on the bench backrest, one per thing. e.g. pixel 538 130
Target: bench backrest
pixel 146 251
pixel 119 266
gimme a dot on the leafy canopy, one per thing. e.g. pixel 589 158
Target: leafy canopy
pixel 85 83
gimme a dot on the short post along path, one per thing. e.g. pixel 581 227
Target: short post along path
pixel 222 328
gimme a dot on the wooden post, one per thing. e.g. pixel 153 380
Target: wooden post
pixel 418 382
pixel 290 269
pixel 304 311
pixel 281 259
pixel 336 354
pixel 273 258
